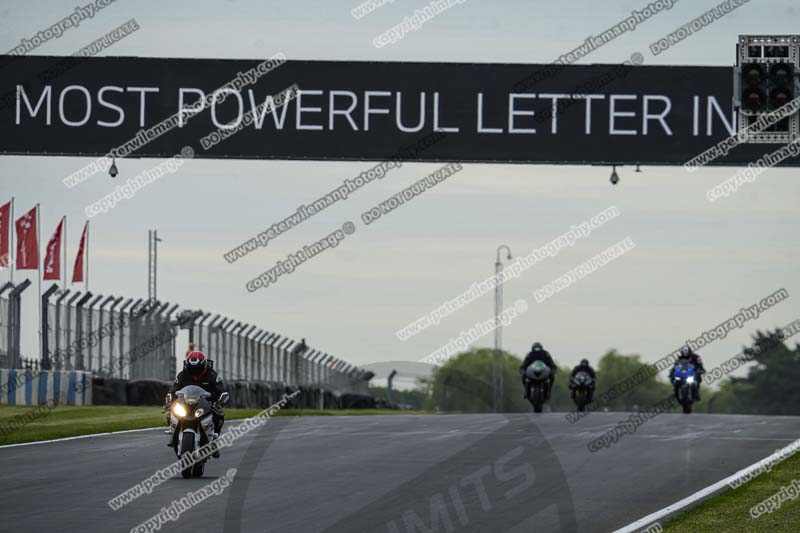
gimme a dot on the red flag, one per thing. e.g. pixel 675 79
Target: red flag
pixel 27 241
pixel 77 270
pixel 52 259
pixel 5 233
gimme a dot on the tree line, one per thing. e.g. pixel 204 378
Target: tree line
pixel 464 383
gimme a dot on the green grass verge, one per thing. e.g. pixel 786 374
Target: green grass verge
pixel 730 511
pixel 70 421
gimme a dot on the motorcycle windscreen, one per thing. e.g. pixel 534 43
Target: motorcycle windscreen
pixel 544 372
pixel 192 392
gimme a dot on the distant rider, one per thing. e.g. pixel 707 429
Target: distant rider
pixel 538 353
pixel 694 359
pixel 584 366
pixel 197 372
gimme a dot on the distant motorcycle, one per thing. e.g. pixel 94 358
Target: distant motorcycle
pixel 538 374
pixel 582 384
pixel 684 380
pixel 191 424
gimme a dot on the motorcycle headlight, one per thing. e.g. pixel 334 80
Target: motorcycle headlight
pixel 199 413
pixel 179 410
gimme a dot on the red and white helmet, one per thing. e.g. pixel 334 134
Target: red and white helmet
pixel 195 363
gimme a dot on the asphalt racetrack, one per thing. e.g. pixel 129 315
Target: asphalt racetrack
pixel 393 474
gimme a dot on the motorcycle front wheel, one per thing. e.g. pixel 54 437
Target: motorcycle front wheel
pixel 537 399
pixel 187 447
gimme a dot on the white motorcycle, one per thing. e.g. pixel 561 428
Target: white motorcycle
pixel 538 374
pixel 191 424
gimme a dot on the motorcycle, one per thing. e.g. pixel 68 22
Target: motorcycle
pixel 582 384
pixel 191 424
pixel 538 374
pixel 684 380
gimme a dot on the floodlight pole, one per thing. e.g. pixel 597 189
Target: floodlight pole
pixel 497 371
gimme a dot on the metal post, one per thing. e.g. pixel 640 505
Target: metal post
pixel 122 335
pixel 328 370
pixel 91 331
pixel 263 355
pixel 291 363
pixel 320 376
pixel 235 363
pixel 239 329
pixel 194 323
pixel 102 313
pixel 6 332
pixel 134 336
pixel 80 336
pixel 69 363
pixel 389 380
pixel 15 299
pixel 149 264
pixel 170 353
pixel 152 264
pixel 277 369
pixel 253 351
pixel 60 333
pixel 246 354
pixel 497 371
pixel 150 360
pixel 45 362
pixel 283 360
pixel 112 330
pixel 212 323
pixel 257 353
pixel 334 373
pixel 312 366
pixel 321 370
pixel 272 358
pixel 219 345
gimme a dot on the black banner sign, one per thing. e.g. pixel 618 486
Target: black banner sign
pixel 347 110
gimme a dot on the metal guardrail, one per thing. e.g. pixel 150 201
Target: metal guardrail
pixel 135 339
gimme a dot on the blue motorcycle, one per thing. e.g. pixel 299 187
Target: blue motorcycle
pixel 684 380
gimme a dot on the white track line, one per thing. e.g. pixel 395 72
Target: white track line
pixel 703 493
pixel 79 437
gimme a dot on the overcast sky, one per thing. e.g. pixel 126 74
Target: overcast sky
pixel 695 263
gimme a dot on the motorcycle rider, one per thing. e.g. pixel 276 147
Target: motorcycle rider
pixel 694 359
pixel 197 372
pixel 538 353
pixel 584 366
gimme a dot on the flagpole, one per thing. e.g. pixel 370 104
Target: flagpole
pixel 87 256
pixel 64 246
pixel 11 234
pixel 39 275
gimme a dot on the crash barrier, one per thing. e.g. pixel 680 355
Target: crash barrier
pixel 244 394
pixel 38 387
pixel 135 340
